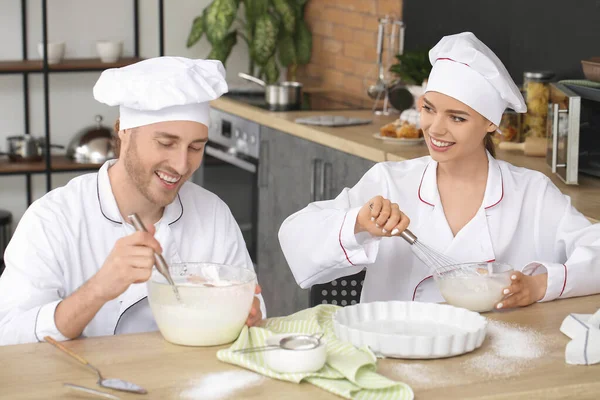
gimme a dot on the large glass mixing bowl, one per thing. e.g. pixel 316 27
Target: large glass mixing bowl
pixel 215 302
pixel 474 286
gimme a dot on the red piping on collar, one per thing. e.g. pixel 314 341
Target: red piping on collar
pixel 420 184
pixel 340 239
pixel 449 59
pixel 502 195
pixel 416 287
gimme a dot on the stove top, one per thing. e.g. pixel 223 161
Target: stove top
pixel 311 101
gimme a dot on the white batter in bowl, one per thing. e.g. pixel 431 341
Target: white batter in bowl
pixel 215 302
pixel 480 289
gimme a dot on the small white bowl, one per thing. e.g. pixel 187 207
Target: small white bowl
pixel 56 51
pixel 109 51
pixel 294 361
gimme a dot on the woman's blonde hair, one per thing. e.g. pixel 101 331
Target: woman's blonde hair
pixel 489 144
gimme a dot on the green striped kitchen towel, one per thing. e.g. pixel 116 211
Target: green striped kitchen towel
pixel 349 372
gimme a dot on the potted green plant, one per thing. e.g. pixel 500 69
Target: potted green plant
pixel 412 69
pixel 274 31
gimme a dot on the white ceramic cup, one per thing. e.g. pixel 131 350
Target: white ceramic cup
pixel 109 51
pixel 56 51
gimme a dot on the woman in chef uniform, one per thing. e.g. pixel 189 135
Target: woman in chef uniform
pixel 75 265
pixel 460 200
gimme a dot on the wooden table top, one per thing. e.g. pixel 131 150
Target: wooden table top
pixel 522 357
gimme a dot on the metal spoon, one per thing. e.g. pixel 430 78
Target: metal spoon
pixel 161 264
pixel 112 383
pixel 292 342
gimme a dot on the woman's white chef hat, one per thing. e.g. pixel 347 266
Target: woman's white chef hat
pixel 162 89
pixel 466 69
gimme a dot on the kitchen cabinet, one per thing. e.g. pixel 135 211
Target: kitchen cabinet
pixel 292 173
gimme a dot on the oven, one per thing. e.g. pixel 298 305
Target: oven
pixel 229 170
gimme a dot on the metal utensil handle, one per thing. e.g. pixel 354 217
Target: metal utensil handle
pixel 380 46
pixel 252 79
pixel 163 268
pixel 401 40
pixel 91 391
pixel 64 349
pixel 408 236
pixel 161 264
pixel 253 349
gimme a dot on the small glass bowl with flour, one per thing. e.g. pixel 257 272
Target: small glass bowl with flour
pixel 475 286
pixel 214 306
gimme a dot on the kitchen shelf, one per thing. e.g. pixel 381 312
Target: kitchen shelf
pixel 60 163
pixel 66 65
pixel 57 164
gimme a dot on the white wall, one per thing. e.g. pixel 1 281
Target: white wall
pixel 79 23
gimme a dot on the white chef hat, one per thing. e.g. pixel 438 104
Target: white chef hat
pixel 466 69
pixel 162 89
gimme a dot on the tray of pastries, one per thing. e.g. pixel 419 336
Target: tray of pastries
pixel 405 131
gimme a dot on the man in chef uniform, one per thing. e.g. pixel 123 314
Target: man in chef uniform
pixel 460 200
pixel 75 265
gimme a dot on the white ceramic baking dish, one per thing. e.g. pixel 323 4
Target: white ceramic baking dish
pixel 415 330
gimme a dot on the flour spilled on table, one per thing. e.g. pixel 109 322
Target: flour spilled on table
pixel 510 350
pixel 222 385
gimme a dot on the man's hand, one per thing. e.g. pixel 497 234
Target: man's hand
pixel 255 315
pixel 130 261
pixel 524 290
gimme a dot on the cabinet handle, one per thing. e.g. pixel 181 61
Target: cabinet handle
pixel 555 117
pixel 554 136
pixel 263 164
pixel 326 181
pixel 561 112
pixel 314 176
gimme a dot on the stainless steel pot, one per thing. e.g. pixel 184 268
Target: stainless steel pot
pixel 27 148
pixel 285 95
pixel 92 145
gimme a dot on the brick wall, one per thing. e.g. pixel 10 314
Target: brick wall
pixel 345 42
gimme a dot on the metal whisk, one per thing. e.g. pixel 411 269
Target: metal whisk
pixel 433 259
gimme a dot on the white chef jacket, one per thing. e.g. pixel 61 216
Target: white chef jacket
pixel 524 221
pixel 64 238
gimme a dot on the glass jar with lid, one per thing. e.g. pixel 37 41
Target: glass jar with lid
pixel 536 90
pixel 509 129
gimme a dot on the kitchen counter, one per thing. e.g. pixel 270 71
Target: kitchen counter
pixel 531 336
pixel 359 141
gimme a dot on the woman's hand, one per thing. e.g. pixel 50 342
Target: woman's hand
pixel 381 217
pixel 524 290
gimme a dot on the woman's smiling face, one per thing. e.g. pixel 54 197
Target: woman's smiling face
pixel 452 129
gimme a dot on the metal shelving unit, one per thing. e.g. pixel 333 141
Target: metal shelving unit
pixel 57 164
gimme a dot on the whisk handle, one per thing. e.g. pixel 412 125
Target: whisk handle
pixel 408 236
pixel 161 264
